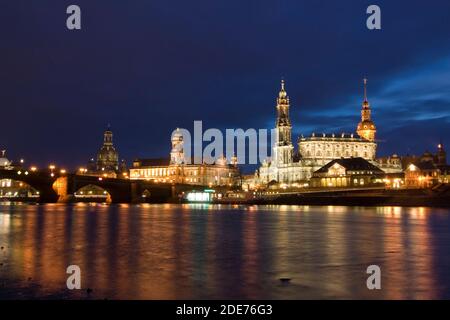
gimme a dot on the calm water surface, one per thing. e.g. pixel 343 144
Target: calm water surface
pixel 223 252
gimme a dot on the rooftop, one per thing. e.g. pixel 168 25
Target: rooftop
pixel 352 164
pixel 332 136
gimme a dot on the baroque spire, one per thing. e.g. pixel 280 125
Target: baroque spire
pixel 366 104
pixel 366 128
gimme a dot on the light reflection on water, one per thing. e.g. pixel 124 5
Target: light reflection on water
pixel 215 251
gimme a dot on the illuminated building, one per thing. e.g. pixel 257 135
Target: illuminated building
pixel 439 158
pixel 391 164
pixel 316 150
pixel 107 161
pixel 421 175
pixel 4 162
pixel 177 170
pixel 348 172
pixel 108 157
pixel 12 188
pixel 426 170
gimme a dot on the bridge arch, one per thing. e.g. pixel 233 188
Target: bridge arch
pixel 92 193
pixel 11 189
pixel 42 182
pixel 117 191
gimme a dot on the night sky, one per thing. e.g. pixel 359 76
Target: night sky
pixel 147 67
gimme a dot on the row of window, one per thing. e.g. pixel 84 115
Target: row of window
pixel 5 183
pixel 164 172
pixel 337 154
pixel 347 146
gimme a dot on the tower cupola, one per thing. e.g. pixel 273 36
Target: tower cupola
pixel 366 128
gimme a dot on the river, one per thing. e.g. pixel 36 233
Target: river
pixel 195 251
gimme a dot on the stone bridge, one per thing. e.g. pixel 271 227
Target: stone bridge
pixel 62 187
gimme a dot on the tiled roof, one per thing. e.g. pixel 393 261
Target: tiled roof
pixel 155 162
pixel 352 164
pixel 425 165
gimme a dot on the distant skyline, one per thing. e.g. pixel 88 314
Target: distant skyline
pixel 147 68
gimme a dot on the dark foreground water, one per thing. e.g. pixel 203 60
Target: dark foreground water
pixel 215 252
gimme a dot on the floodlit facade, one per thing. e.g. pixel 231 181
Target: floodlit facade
pixel 4 162
pixel 178 170
pixel 106 164
pixel 347 172
pixel 316 150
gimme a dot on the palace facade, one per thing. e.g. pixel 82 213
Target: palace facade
pixel 317 150
pixel 177 169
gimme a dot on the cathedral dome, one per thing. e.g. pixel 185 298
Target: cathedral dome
pixel 427 156
pixel 4 162
pixel 108 153
pixel 107 157
pixel 222 161
pixel 177 136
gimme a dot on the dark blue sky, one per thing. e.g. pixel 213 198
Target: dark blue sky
pixel 147 67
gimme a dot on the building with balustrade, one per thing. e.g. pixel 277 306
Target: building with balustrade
pixel 177 169
pixel 316 150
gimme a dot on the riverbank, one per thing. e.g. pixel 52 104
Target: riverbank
pixel 355 197
pixel 403 198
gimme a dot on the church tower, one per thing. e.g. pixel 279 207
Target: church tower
pixel 177 152
pixel 283 148
pixel 441 155
pixel 366 128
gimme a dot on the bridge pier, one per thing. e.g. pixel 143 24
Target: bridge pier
pixel 61 187
pixel 136 192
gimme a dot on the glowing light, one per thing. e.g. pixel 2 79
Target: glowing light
pixel 52 167
pixel 198 197
pixel 33 169
pixel 63 171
